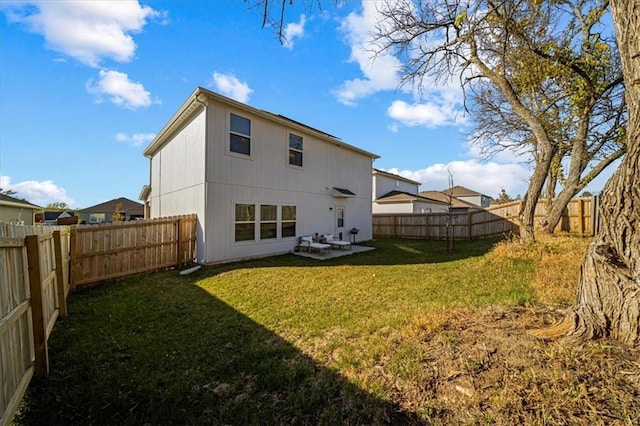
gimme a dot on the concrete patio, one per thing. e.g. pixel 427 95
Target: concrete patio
pixel 336 252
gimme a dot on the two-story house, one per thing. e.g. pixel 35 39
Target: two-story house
pixel 256 180
pixel 392 193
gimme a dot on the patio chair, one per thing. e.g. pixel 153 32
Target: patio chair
pixel 335 243
pixel 308 244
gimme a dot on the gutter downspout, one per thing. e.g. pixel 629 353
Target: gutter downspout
pixel 203 256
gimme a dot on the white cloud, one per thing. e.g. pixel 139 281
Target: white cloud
pixel 230 86
pixel 439 111
pixel 39 193
pixel 487 178
pixel 120 90
pixel 88 31
pixel 292 31
pixel 380 71
pixel 136 139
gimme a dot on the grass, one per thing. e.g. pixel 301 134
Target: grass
pixel 405 334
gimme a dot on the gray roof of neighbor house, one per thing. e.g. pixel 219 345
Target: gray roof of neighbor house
pixel 461 191
pixel 198 98
pixel 7 200
pixel 394 176
pixel 399 196
pixel 128 206
pixel 443 196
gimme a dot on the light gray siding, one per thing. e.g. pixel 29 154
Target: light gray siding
pixel 177 176
pixel 267 178
pixel 193 171
pixel 383 184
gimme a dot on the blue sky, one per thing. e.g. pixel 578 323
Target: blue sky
pixel 85 85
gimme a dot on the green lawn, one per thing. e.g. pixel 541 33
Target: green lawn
pixel 278 340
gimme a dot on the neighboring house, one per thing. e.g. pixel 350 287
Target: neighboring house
pixel 104 212
pixel 53 218
pixel 470 196
pixel 256 181
pixel 403 202
pixel 17 212
pixel 457 205
pixel 393 193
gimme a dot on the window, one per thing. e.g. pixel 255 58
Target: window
pixel 245 222
pixel 288 221
pixel 268 222
pixel 240 135
pixel 295 150
pixel 97 218
pixel 340 217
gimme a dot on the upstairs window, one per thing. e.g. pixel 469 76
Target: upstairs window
pixel 240 135
pixel 295 150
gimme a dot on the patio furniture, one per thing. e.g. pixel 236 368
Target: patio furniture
pixel 335 243
pixel 308 244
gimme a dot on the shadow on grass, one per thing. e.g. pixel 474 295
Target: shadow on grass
pixel 160 350
pixel 388 252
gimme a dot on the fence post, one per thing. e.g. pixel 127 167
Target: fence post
pixel 395 224
pixel 179 257
pixel 60 281
pixel 73 251
pixel 37 310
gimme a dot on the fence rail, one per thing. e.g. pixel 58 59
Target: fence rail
pixel 36 278
pixel 102 252
pixel 579 218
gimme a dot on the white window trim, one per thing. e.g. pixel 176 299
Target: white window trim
pixel 295 166
pixel 228 136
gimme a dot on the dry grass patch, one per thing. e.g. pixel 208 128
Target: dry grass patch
pixel 481 367
pixel 557 264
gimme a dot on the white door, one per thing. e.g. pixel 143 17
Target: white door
pixel 340 232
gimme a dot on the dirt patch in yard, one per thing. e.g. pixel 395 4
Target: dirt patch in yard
pixel 483 367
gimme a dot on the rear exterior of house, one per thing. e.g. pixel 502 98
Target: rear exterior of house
pixel 256 181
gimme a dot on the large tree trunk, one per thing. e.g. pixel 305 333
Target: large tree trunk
pixel 608 302
pixel 528 209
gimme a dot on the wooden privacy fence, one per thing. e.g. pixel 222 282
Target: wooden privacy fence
pixel 38 271
pixel 579 218
pixel 113 250
pixel 33 292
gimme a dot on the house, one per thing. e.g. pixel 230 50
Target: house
pixel 470 196
pixel 105 212
pixel 457 206
pixel 256 180
pixel 59 217
pixel 16 211
pixel 392 193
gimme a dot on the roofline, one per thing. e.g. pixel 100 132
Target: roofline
pixel 395 176
pixel 197 100
pixel 24 205
pixel 411 200
pixel 386 198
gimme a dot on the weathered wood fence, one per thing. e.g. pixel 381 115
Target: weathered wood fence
pixel 106 251
pixel 579 218
pixel 39 267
